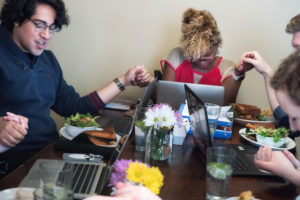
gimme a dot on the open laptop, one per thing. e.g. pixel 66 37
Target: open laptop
pixel 89 177
pixel 244 163
pixel 148 93
pixel 173 93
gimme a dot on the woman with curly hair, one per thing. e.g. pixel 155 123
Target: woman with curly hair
pixel 197 61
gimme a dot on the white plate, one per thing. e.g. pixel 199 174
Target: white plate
pixel 289 143
pixel 66 135
pixel 235 198
pixel 245 121
pixel 10 194
pixel 63 131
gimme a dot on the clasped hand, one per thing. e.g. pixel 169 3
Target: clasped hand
pixel 138 76
pixel 13 129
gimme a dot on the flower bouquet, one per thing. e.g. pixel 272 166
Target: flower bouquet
pixel 137 173
pixel 162 118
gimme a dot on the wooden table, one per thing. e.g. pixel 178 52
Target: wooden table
pixel 184 174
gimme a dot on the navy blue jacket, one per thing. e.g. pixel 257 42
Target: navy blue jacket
pixel 31 87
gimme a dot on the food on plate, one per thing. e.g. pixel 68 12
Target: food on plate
pixel 246 109
pixel 266 112
pixel 246 195
pixel 102 138
pixel 22 194
pixel 267 136
pixel 276 134
pixel 250 112
pixel 82 120
pixel 264 125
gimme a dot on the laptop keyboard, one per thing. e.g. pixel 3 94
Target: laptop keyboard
pixel 123 125
pixel 83 177
pixel 240 164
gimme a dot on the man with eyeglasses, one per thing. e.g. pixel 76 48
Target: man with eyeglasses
pixel 32 83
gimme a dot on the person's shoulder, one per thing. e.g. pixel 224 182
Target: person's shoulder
pixel 176 52
pixel 175 57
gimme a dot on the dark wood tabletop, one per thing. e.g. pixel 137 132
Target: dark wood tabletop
pixel 184 173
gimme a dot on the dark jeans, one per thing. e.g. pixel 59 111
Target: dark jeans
pixel 11 160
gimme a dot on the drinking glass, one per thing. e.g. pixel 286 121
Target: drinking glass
pixel 139 128
pixel 213 111
pixel 56 181
pixel 219 162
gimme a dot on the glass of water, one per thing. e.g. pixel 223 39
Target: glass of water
pixel 213 111
pixel 139 127
pixel 219 162
pixel 56 181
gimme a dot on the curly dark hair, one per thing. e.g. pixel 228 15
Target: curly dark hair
pixel 287 77
pixel 199 33
pixel 17 11
pixel 294 25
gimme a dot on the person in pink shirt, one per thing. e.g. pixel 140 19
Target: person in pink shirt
pixel 197 61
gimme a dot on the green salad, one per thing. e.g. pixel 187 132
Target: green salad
pixel 276 134
pixel 82 120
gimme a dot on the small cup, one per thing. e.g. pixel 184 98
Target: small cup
pixel 56 181
pixel 219 162
pixel 213 111
pixel 139 128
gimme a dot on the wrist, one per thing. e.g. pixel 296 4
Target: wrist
pixel 238 77
pixel 120 83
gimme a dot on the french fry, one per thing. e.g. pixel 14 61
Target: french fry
pixel 248 125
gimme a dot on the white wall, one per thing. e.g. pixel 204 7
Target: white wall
pixel 105 38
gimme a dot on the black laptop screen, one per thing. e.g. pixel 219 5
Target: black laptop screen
pixel 199 120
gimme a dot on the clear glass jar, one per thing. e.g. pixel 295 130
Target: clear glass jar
pixel 159 144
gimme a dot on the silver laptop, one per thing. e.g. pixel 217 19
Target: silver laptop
pixel 89 177
pixel 173 93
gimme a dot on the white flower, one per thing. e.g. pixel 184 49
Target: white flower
pixel 161 116
pixel 167 117
pixel 152 118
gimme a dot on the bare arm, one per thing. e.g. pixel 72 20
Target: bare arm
pixel 168 73
pixel 231 89
pixel 264 69
pixel 137 75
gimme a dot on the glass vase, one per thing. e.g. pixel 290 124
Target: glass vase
pixel 158 144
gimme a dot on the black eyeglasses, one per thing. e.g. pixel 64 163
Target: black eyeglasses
pixel 40 26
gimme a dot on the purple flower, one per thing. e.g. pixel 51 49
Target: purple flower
pixel 120 171
pixel 121 165
pixel 178 118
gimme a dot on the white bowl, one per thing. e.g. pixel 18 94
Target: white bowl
pixel 269 141
pixel 74 130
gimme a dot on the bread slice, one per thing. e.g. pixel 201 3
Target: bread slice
pixel 107 133
pixel 246 109
pixel 100 142
pixel 247 195
pixel 102 138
